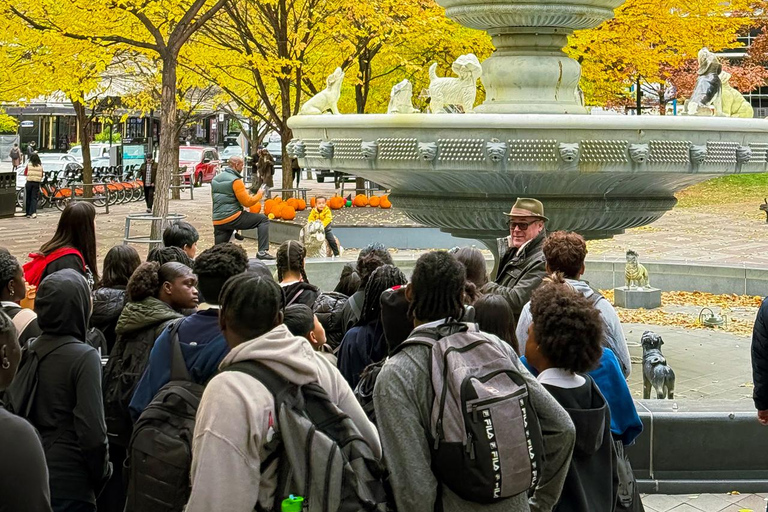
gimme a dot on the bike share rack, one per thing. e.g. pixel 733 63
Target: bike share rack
pixel 147 217
pixel 182 184
pixel 95 200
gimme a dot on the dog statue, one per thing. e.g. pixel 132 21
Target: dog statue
pixel 634 273
pixel 400 101
pixel 449 91
pixel 656 372
pixel 328 98
pixel 313 238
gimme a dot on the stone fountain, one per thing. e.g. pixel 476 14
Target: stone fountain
pixel 597 175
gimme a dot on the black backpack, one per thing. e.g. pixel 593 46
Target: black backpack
pixel 322 455
pixel 329 308
pixel 124 369
pixel 160 452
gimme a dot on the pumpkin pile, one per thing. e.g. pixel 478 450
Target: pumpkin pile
pixel 359 201
pixel 276 208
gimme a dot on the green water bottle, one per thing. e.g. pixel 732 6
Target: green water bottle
pixel 292 504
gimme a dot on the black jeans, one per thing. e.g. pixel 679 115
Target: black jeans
pixel 149 196
pixel 31 194
pixel 59 505
pixel 247 220
pixel 331 240
pixel 297 176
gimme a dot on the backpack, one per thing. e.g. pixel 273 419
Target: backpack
pixel 364 388
pixel 21 318
pixel 486 439
pixel 125 366
pixel 329 307
pixel 20 395
pixel 323 456
pixel 160 451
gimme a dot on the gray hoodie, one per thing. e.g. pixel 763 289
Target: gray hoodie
pixel 613 335
pixel 237 417
pixel 403 398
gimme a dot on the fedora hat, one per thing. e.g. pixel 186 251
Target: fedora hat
pixel 527 207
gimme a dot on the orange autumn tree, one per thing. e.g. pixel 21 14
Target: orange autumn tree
pixel 647 40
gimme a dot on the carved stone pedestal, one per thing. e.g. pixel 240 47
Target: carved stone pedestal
pixel 636 298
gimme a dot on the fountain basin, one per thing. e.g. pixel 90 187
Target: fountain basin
pixel 597 175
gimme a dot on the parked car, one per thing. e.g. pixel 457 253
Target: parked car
pixel 56 161
pixel 230 151
pixel 99 154
pixel 201 164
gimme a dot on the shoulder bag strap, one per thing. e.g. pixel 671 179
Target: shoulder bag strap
pixel 22 319
pixel 178 365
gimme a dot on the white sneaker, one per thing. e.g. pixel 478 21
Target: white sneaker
pixel 34 215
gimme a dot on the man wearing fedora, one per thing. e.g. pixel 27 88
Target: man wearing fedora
pixel 521 261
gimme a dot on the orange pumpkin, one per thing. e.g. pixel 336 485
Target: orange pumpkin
pixel 278 199
pixel 292 202
pixel 278 210
pixel 336 202
pixel 288 212
pixel 360 200
pixel 384 203
pixel 256 208
pixel 374 201
pixel 269 205
pixel 312 202
pixel 302 205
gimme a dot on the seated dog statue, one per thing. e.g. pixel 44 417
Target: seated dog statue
pixel 328 98
pixel 313 238
pixel 656 372
pixel 400 101
pixel 451 91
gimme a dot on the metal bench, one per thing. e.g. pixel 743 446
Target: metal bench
pixel 297 192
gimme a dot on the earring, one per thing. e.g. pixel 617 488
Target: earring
pixel 6 363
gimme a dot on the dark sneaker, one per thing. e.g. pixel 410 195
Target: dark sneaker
pixel 239 236
pixel 265 256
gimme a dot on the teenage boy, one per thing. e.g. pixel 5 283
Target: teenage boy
pixel 183 235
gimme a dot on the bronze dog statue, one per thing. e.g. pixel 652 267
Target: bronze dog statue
pixel 656 372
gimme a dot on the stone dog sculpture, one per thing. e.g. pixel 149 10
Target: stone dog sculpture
pixel 313 238
pixel 732 102
pixel 461 91
pixel 634 273
pixel 657 374
pixel 328 98
pixel 400 101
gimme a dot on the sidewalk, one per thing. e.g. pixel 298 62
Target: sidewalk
pixel 705 503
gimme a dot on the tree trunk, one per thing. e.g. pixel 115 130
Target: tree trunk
pixel 85 144
pixel 168 164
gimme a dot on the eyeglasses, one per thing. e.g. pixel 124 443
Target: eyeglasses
pixel 522 226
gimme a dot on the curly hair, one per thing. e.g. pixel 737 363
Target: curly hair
pixel 382 279
pixel 163 255
pixel 371 258
pixel 437 287
pixel 215 265
pixel 565 251
pixel 349 281
pixel 251 304
pixel 150 276
pixel 290 258
pixel 119 265
pixel 566 326
pixel 9 267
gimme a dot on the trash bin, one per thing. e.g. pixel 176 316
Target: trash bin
pixel 7 194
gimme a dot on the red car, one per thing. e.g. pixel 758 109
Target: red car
pixel 200 164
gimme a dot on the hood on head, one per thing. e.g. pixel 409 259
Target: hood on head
pixel 394 316
pixel 590 424
pixel 291 357
pixel 63 304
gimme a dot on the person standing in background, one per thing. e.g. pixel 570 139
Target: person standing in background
pixel 148 173
pixel 15 156
pixel 34 175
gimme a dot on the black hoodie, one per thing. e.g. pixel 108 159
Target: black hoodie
pixel 67 409
pixel 592 479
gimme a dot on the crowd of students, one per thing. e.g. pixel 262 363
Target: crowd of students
pixel 449 405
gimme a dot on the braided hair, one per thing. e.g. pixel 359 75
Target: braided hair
pixel 251 305
pixel 9 267
pixel 382 279
pixel 370 258
pixel 437 287
pixel 290 258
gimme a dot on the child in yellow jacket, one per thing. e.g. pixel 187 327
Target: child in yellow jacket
pixel 322 213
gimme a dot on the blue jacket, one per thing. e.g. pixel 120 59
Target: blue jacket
pixel 625 422
pixel 361 346
pixel 203 347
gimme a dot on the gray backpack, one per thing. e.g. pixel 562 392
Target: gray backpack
pixel 486 440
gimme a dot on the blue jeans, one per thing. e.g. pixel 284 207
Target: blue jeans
pixel 31 194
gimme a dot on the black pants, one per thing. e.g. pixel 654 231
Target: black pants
pixel 247 220
pixel 112 497
pixel 149 196
pixel 31 194
pixel 71 506
pixel 297 176
pixel 331 240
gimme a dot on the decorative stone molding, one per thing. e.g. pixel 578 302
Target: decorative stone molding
pixel 296 148
pixel 569 152
pixel 326 150
pixel 670 152
pixel 721 152
pixel 743 154
pixel 370 149
pixel 532 150
pixel 604 151
pixel 639 153
pixel 348 149
pixel 496 150
pixel 398 149
pixel 427 151
pixel 461 150
pixel 698 154
pixel 759 152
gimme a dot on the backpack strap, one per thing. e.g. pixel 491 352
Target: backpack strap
pixel 427 337
pixel 595 297
pixel 179 369
pixel 22 319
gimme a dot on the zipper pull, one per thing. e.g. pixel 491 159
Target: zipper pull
pixel 470 447
pixel 439 433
